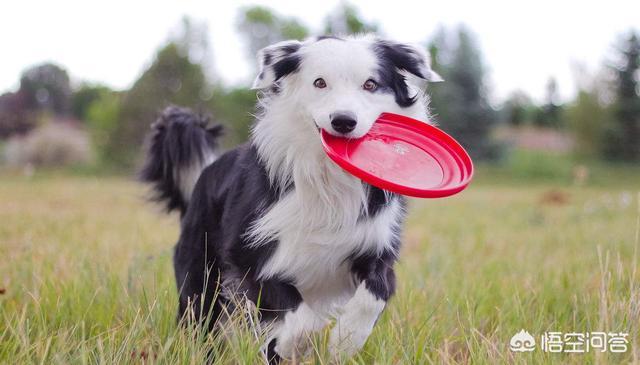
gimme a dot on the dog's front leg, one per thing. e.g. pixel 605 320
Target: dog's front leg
pixel 359 315
pixel 292 334
pixel 356 322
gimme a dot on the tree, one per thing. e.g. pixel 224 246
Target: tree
pixel 46 87
pixel 588 117
pixel 171 79
pixel 84 96
pixel 549 114
pixel 192 41
pixel 43 88
pixel 460 104
pixel 174 77
pixel 15 118
pixel 260 27
pixel 623 138
pixel 345 19
pixel 102 116
pixel 516 108
pixel 234 108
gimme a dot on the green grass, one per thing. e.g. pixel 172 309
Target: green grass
pixel 86 270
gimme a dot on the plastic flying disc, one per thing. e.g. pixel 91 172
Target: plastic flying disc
pixel 405 156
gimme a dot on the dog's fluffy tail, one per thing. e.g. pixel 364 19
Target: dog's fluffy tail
pixel 179 147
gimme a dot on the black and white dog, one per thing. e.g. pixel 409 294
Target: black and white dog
pixel 274 219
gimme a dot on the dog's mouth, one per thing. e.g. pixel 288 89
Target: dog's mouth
pixel 319 129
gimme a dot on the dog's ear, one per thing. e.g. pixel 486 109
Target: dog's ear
pixel 413 59
pixel 275 62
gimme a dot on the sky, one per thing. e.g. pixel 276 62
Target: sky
pixel 523 43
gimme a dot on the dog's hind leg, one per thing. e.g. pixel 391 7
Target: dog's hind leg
pixel 198 289
pixel 197 260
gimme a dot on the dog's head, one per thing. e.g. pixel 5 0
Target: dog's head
pixel 342 85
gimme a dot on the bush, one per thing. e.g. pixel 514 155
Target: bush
pixel 102 117
pixel 51 145
pixel 539 165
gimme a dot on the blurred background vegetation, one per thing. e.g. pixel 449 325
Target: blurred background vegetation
pixel 50 122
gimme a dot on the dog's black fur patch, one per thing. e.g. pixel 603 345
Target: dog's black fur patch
pixel 402 57
pixel 272 356
pixel 286 66
pixel 378 199
pixel 266 60
pixel 376 271
pixel 393 57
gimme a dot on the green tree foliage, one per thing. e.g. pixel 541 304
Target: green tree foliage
pixel 83 97
pixel 623 137
pixel 549 114
pixel 102 116
pixel 460 104
pixel 46 87
pixel 587 118
pixel 234 108
pixel 261 26
pixel 516 108
pixel 346 19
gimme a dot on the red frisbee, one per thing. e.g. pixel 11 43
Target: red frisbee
pixel 405 156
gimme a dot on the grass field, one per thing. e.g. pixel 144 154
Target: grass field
pixel 86 276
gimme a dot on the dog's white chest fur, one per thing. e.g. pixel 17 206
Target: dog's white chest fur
pixel 319 224
pixel 315 242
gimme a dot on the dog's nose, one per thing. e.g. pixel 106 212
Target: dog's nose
pixel 343 122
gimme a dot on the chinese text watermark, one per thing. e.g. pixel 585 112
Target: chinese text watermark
pixel 571 342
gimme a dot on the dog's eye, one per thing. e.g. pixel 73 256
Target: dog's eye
pixel 320 83
pixel 370 85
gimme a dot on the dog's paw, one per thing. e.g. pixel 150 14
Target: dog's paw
pixel 345 343
pixel 292 347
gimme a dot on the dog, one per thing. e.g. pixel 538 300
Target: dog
pixel 275 220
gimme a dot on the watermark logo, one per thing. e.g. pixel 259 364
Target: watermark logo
pixel 522 342
pixel 571 342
